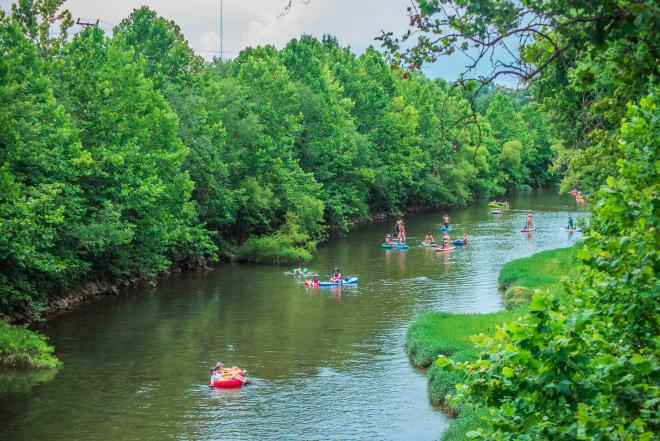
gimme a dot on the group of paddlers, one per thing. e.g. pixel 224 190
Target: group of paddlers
pixel 399 235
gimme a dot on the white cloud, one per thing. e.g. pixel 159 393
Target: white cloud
pixel 209 45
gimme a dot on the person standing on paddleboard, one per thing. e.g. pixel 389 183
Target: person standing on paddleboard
pixel 529 220
pixel 446 220
pixel 400 228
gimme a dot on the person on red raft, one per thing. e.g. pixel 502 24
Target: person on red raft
pixel 218 373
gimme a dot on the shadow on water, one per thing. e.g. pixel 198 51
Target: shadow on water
pixel 327 363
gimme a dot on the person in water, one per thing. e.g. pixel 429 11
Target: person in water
pixel 388 239
pixel 446 220
pixel 429 239
pixel 445 241
pixel 570 225
pixel 315 279
pixel 336 276
pixel 400 229
pixel 529 220
pixel 464 238
pixel 218 373
pixel 399 226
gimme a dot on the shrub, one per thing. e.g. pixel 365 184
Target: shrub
pixel 20 347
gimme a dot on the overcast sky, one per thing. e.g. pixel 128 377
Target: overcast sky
pixel 258 22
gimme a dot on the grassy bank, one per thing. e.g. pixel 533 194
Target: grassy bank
pixel 435 333
pixel 20 347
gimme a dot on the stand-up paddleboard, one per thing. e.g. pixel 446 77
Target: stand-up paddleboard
pixel 525 230
pixel 344 281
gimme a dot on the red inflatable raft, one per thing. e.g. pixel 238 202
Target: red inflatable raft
pixel 229 383
pixel 311 283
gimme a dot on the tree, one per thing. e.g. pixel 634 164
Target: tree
pixel 41 163
pixel 168 58
pixel 587 56
pixel 587 369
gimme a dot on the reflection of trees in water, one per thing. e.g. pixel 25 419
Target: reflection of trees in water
pixel 21 382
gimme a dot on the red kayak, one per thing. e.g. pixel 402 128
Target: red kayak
pixel 311 283
pixel 229 383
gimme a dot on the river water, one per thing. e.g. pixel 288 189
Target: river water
pixel 327 363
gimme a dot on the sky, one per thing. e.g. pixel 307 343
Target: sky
pixel 247 23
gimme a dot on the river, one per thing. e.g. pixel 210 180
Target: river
pixel 327 363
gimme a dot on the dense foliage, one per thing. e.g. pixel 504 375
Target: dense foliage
pixel 122 156
pixel 583 60
pixel 22 348
pixel 587 368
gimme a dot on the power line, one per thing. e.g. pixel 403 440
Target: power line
pixel 87 24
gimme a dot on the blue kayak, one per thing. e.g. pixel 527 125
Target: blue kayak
pixel 458 242
pixel 445 229
pixel 344 281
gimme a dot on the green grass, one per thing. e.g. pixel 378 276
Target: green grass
pixel 543 271
pixel 20 347
pixel 434 333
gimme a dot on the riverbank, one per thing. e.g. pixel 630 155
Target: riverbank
pixel 441 333
pixel 21 347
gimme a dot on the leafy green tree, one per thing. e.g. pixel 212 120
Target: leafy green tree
pixel 36 19
pixel 168 58
pixel 41 163
pixel 136 188
pixel 585 60
pixel 587 369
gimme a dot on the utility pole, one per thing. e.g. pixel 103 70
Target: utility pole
pixel 221 23
pixel 87 24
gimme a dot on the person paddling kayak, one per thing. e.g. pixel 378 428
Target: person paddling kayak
pixel 429 238
pixel 336 276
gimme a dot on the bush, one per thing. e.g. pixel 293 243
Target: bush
pixel 288 245
pixel 20 347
